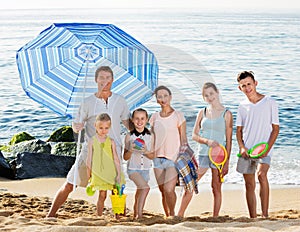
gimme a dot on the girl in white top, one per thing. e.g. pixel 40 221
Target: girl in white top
pixel 139 151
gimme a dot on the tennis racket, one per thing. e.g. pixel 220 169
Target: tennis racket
pixel 257 150
pixel 218 156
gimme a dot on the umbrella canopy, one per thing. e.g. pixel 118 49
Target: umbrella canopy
pixel 57 67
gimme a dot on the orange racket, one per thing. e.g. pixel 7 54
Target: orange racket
pixel 218 156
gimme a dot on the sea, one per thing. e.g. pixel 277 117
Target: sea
pixel 192 46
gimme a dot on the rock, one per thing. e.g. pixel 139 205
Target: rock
pixel 63 134
pixel 33 146
pixel 32 165
pixel 5 148
pixel 5 169
pixel 20 137
pixel 29 157
pixel 64 148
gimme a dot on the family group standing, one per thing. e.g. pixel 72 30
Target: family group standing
pixel 101 155
pixel 104 101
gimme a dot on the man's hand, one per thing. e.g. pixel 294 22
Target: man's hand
pixel 77 127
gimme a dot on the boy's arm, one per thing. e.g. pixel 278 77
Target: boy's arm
pixel 272 139
pixel 239 138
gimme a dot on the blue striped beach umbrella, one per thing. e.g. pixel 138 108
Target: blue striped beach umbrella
pixel 57 67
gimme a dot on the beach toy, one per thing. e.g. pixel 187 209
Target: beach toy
pixel 118 190
pixel 218 156
pixel 139 143
pixel 118 202
pixel 257 151
pixel 90 191
pixel 122 189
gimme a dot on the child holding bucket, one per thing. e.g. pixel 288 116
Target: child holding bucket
pixel 103 164
pixel 139 144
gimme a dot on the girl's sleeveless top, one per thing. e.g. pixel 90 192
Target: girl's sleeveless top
pixel 214 129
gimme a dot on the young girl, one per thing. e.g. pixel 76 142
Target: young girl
pixel 139 151
pixel 103 164
pixel 213 126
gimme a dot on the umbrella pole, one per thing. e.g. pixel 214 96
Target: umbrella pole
pixel 76 161
pixel 79 134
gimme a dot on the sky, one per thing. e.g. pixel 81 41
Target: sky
pixel 205 4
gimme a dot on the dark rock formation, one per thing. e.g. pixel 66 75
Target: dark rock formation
pixel 64 148
pixel 32 165
pixel 20 137
pixel 26 157
pixel 63 134
pixel 5 168
pixel 33 146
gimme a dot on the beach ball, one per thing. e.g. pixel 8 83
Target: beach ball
pixel 139 143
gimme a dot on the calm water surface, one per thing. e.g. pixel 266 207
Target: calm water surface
pixel 191 48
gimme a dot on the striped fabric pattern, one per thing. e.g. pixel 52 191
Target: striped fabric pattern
pixel 187 166
pixel 57 67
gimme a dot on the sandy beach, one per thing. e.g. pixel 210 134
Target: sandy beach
pixel 24 204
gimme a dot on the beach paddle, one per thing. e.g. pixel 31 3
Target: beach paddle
pixel 218 156
pixel 257 150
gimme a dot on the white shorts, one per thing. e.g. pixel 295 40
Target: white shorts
pixel 79 168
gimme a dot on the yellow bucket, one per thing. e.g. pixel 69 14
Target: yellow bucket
pixel 118 203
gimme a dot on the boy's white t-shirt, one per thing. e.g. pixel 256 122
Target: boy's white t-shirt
pixel 256 120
